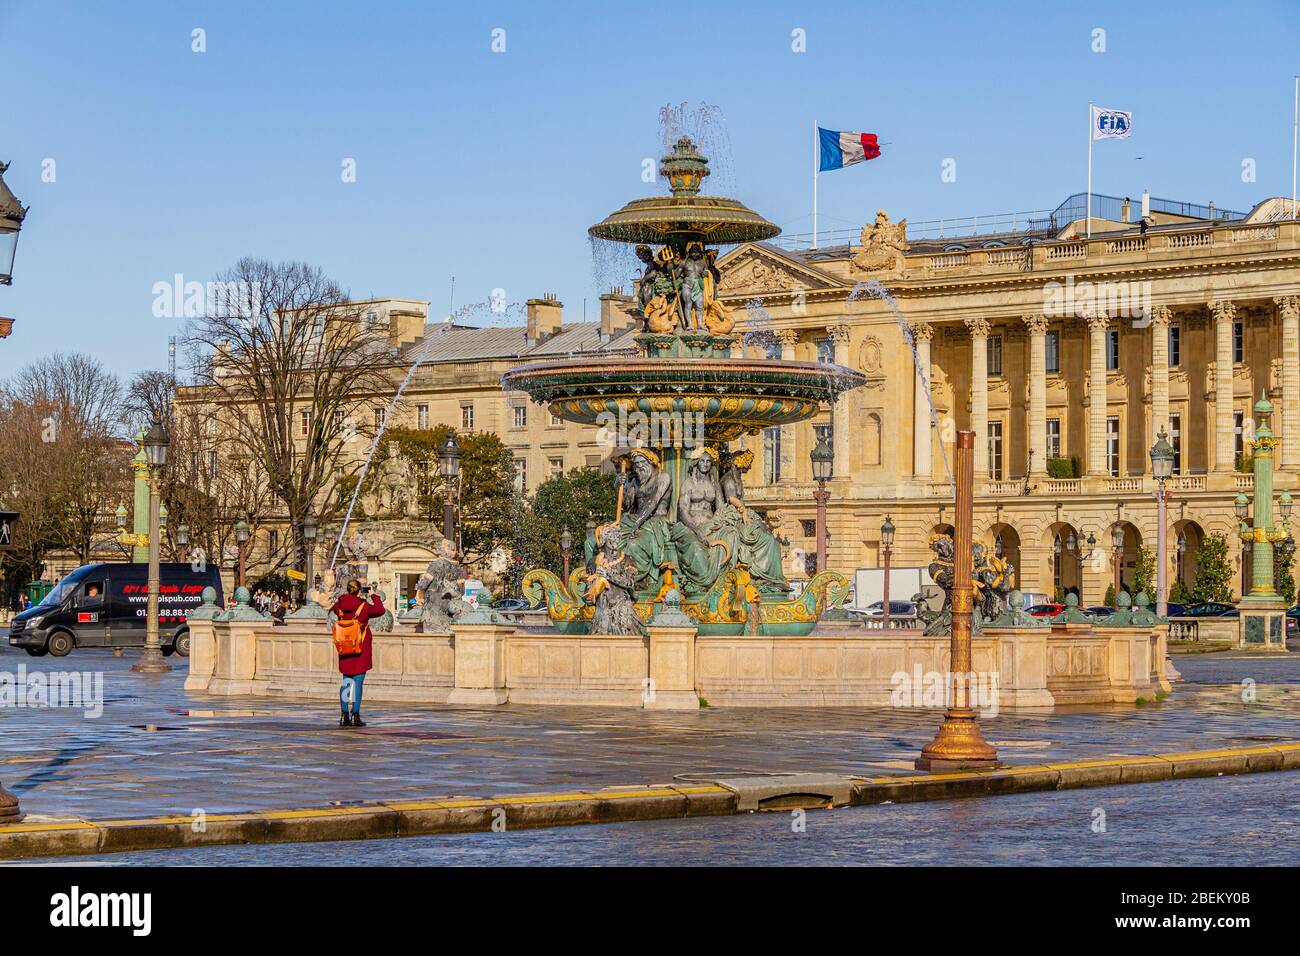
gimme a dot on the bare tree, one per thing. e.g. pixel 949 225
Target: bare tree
pixel 290 368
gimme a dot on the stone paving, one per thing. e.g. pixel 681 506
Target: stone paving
pixel 156 749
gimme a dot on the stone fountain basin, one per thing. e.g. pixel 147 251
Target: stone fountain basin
pixel 734 396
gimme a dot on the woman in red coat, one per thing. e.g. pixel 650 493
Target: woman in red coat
pixel 364 605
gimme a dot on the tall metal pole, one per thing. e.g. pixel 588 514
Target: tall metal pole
pixel 1162 553
pixel 821 495
pixel 959 742
pixel 885 616
pixel 151 661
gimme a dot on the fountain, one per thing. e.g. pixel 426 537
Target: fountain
pixel 683 536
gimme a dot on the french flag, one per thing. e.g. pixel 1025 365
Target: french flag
pixel 844 149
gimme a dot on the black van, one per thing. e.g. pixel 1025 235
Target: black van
pixel 105 605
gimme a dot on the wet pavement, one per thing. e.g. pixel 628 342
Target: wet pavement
pixel 156 749
pixel 1224 821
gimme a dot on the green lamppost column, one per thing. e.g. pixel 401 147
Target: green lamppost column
pixel 1261 620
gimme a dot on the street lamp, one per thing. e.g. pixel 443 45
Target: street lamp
pixel 1182 550
pixel 887 543
pixel 241 538
pixel 566 549
pixel 449 468
pixel 823 466
pixel 182 543
pixel 1162 466
pixel 155 451
pixel 309 555
pixel 11 222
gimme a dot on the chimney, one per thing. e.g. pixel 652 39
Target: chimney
pixel 1126 211
pixel 615 314
pixel 406 326
pixel 545 318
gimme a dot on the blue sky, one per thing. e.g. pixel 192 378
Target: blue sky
pixel 490 166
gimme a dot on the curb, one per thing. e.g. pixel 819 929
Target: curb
pixel 724 797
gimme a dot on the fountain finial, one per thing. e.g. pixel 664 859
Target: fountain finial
pixel 685 168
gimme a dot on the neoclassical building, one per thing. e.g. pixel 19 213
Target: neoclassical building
pixel 1066 353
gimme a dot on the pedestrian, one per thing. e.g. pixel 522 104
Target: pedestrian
pixel 362 605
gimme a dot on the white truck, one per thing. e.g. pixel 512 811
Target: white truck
pixel 869 585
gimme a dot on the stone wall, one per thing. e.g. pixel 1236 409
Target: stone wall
pixel 674 668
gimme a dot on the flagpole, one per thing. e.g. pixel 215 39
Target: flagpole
pixel 1295 128
pixel 815 151
pixel 1087 212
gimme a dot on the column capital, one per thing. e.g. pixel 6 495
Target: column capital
pixel 1036 323
pixel 1288 305
pixel 979 328
pixel 1097 321
pixel 921 331
pixel 787 337
pixel 839 332
pixel 1224 310
pixel 1161 316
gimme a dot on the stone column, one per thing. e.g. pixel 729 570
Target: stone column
pixel 1288 307
pixel 672 665
pixel 788 338
pixel 979 394
pixel 479 641
pixel 1224 446
pixel 921 439
pixel 1159 374
pixel 841 432
pixel 1097 324
pixel 1037 417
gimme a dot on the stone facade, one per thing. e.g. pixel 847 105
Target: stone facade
pixel 1048 346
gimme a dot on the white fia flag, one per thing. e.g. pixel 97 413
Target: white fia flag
pixel 1111 124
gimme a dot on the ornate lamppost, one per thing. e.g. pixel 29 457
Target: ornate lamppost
pixel 1261 612
pixel 241 539
pixel 566 549
pixel 959 742
pixel 449 468
pixel 1117 544
pixel 823 466
pixel 12 214
pixel 887 543
pixel 156 443
pixel 309 608
pixel 1162 466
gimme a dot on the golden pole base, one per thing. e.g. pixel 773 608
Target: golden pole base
pixel 958 744
pixel 9 811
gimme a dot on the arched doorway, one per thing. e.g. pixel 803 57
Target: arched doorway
pixel 1123 541
pixel 1066 545
pixel 1187 539
pixel 1006 545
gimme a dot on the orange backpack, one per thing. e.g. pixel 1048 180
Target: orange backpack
pixel 349 638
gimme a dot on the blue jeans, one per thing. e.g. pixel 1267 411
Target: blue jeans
pixel 351 690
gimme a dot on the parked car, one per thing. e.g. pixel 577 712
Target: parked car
pixel 896 609
pixel 1100 610
pixel 1210 609
pixel 105 605
pixel 1175 609
pixel 1292 621
pixel 1051 609
pixel 510 604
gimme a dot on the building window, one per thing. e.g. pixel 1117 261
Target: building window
pixel 1112 446
pixel 371 318
pixel 771 455
pixel 212 464
pixel 557 467
pixel 995 451
pixel 1053 438
pixel 808 526
pixel 1176 439
pixel 995 354
pixel 774 349
pixel 304 423
pixel 273 541
pixel 1052 342
pixel 422 416
pixel 1238 432
pixel 338 421
pixel 1175 346
pixel 379 420
pixel 521 416
pixel 467 417
pixel 556 420
pixel 1238 342
pixel 212 424
pixel 521 474
pixel 825 351
pixel 1112 350
pixel 194 463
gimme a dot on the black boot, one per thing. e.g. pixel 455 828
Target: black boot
pixel 357 721
pixel 346 719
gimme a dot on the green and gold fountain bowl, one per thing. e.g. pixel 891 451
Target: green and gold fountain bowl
pixel 710 219
pixel 731 397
